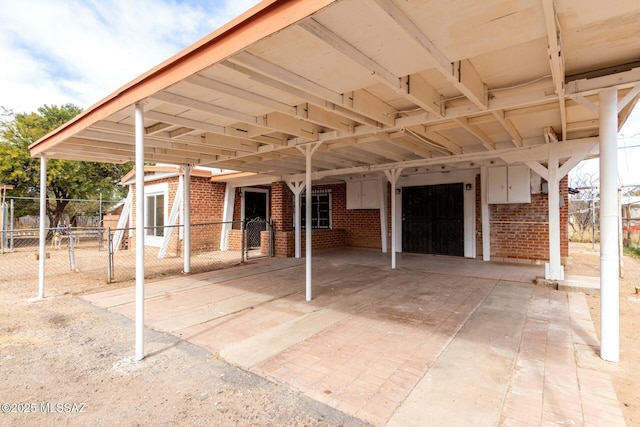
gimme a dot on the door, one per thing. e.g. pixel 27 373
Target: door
pixel 255 215
pixel 433 219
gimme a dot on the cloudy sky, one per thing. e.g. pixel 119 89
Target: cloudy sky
pixel 79 51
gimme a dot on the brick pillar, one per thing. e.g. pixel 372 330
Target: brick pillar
pixel 282 217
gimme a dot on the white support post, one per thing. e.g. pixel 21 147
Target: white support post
pixel 227 216
pixel 484 212
pixel 43 225
pixel 139 150
pixel 308 225
pixel 308 151
pixel 392 176
pixel 296 188
pixel 554 269
pixel 383 214
pixel 609 262
pixel 186 170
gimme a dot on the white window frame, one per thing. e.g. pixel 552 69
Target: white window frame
pixel 154 191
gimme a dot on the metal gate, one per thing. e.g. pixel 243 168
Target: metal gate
pixel 255 244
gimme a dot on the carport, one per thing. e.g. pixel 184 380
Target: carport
pixel 459 341
pixel 304 91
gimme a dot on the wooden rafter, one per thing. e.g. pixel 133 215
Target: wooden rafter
pixel 556 58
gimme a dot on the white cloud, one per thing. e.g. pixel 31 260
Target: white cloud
pixel 79 51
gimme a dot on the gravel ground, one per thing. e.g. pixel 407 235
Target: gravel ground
pixel 66 362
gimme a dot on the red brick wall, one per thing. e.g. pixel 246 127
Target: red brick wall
pixel 281 207
pixel 362 226
pixel 355 227
pixel 285 243
pixel 325 239
pixel 521 231
pixel 207 205
pixel 235 240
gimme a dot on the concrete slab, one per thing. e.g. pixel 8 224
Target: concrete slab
pixel 440 340
pixel 467 384
pixel 586 284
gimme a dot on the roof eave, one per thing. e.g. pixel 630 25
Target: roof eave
pixel 263 20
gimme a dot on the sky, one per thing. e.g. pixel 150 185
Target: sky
pixel 79 51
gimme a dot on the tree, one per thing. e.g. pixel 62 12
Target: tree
pixel 66 179
pixel 584 205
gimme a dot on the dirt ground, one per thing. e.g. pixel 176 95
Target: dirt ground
pixel 585 261
pixel 66 362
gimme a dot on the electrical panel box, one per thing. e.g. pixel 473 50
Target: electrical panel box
pixel 509 184
pixel 363 194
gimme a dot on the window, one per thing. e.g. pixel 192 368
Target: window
pixel 320 209
pixel 155 215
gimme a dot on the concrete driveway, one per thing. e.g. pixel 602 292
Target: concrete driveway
pixel 438 341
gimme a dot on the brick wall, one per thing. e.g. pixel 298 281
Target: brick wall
pixel 207 205
pixel 235 240
pixel 355 227
pixel 521 231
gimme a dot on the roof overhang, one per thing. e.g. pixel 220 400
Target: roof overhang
pixel 380 83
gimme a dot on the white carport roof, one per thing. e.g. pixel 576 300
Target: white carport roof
pixel 372 85
pixel 382 83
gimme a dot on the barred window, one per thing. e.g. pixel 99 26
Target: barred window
pixel 320 209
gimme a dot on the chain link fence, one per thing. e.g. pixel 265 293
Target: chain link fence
pixel 74 254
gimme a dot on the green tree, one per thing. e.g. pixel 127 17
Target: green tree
pixel 66 179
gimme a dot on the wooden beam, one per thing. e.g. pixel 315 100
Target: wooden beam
pixel 194 104
pixel 556 58
pixel 180 132
pixel 228 142
pixel 103 139
pixel 419 91
pixel 444 142
pixel 583 125
pixel 462 74
pixel 182 121
pixel 421 139
pixel 630 96
pixel 468 81
pixel 478 133
pixel 322 117
pixel 440 61
pixel 507 124
pixel 158 127
pixel 401 140
pixel 390 154
pixel 240 93
pixel 586 103
pixel 285 76
pixel 321 32
pixel 289 125
pixel 371 106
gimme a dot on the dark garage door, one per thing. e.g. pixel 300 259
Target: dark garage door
pixel 432 219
